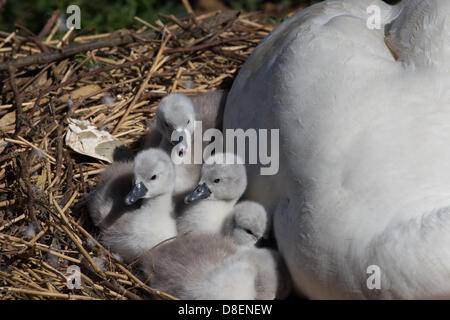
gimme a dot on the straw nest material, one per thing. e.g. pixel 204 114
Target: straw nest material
pixel 116 81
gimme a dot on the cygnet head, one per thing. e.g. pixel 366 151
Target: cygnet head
pixel 175 113
pixel 154 175
pixel 223 178
pixel 250 224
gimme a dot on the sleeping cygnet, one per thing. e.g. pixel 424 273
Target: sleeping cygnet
pixel 211 203
pixel 248 224
pixel 212 267
pixel 132 205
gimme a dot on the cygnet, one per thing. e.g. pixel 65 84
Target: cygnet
pixel 220 187
pixel 212 267
pixel 178 113
pixel 248 224
pixel 133 204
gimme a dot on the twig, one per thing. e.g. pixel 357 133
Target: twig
pixel 145 23
pixel 59 151
pixel 7 39
pixel 80 33
pixel 48 26
pixel 6 225
pixel 24 174
pixel 174 20
pixel 64 38
pixel 212 44
pixel 53 32
pixel 74 49
pixel 17 102
pixel 188 7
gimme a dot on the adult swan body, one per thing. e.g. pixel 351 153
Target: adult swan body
pixel 363 188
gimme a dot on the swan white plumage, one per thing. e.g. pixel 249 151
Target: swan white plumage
pixel 364 173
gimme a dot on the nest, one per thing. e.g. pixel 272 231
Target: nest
pixel 115 81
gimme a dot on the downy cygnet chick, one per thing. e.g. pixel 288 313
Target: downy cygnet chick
pixel 212 267
pixel 220 187
pixel 133 204
pixel 248 224
pixel 177 113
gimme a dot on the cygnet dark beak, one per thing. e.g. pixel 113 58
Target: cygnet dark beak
pixel 175 142
pixel 263 243
pixel 137 192
pixel 201 192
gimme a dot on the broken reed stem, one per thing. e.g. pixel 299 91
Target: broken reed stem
pixel 187 6
pixel 48 26
pixel 7 39
pixel 145 23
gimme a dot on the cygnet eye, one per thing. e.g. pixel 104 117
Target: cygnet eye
pixel 153 177
pixel 189 121
pixel 166 124
pixel 248 231
pixel 216 180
